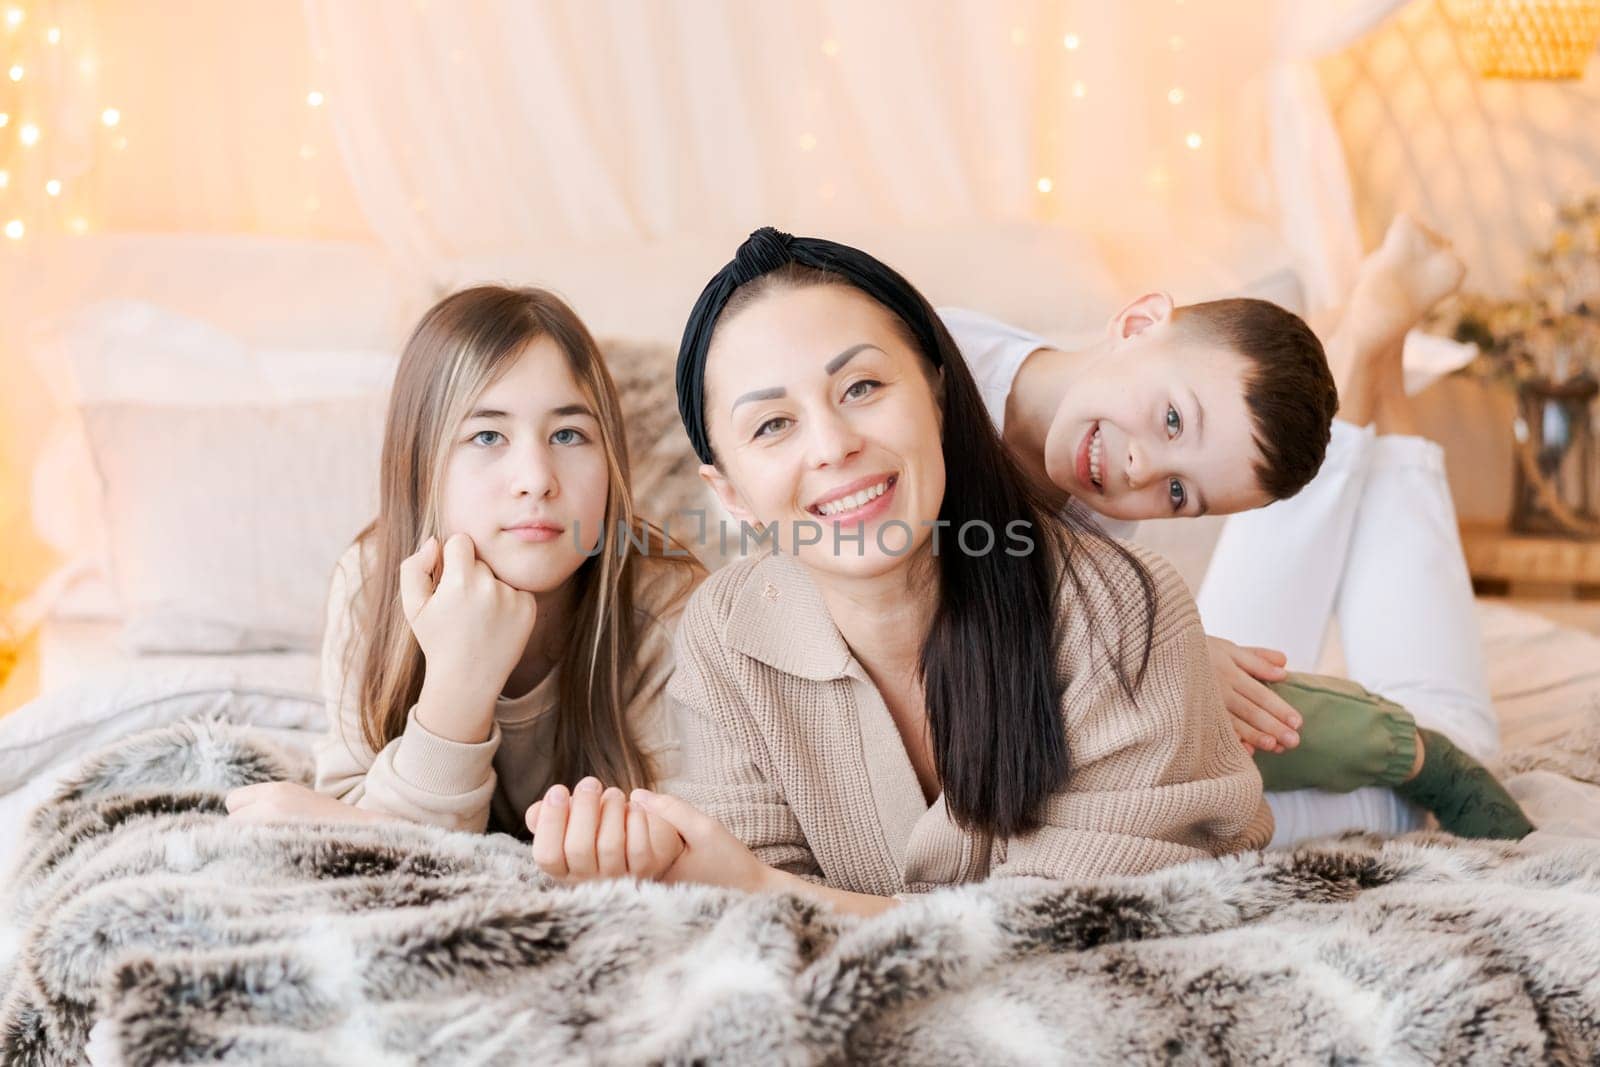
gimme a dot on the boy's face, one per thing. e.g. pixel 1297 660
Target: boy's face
pixel 1158 428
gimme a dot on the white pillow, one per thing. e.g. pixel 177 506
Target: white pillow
pixel 224 523
pixel 129 351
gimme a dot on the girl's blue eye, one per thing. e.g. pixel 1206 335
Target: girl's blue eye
pixel 477 438
pixel 573 437
pixel 1176 494
pixel 771 426
pixel 1174 421
pixel 855 392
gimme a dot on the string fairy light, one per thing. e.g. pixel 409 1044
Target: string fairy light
pixel 1044 185
pixel 39 195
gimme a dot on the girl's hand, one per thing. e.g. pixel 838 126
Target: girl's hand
pixel 292 802
pixel 1262 719
pixel 472 627
pixel 595 833
pixel 711 854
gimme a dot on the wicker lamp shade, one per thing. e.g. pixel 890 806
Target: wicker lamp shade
pixel 1530 38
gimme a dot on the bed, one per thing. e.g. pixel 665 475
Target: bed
pixel 203 564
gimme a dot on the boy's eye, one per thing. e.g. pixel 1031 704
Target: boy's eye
pixel 856 392
pixel 1176 494
pixel 1174 421
pixel 772 425
pixel 478 438
pixel 568 436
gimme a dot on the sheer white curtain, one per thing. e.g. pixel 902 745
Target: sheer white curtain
pixel 473 128
pixel 1316 209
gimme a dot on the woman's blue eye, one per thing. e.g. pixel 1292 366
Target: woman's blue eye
pixel 852 392
pixel 477 438
pixel 1174 421
pixel 1176 494
pixel 574 437
pixel 771 426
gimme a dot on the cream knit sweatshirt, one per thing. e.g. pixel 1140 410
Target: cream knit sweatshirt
pixel 788 742
pixel 427 778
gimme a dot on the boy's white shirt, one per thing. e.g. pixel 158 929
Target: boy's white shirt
pixel 995 351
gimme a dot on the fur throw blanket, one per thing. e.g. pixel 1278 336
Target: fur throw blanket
pixel 155 931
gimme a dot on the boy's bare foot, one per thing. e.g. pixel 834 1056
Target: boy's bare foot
pixel 1413 269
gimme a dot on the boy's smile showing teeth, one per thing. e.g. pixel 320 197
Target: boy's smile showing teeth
pixel 1091 459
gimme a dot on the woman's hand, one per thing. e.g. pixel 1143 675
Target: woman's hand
pixel 711 854
pixel 1262 719
pixel 472 628
pixel 292 802
pixel 594 832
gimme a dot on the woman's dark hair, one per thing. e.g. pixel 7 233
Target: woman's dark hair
pixel 988 664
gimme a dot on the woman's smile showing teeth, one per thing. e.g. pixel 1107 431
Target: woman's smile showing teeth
pixel 1091 459
pixel 858 500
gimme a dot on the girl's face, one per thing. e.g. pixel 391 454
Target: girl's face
pixel 826 425
pixel 526 474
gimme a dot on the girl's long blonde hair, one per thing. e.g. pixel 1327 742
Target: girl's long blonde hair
pixel 461 346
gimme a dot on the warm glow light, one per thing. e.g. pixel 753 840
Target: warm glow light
pixel 5 120
pixel 14 17
pixel 1080 90
pixel 312 203
pixel 830 48
pixel 29 134
pixel 79 225
pixel 807 142
pixel 110 116
pixel 1175 95
pixel 5 178
pixel 1175 43
pixel 306 151
pixel 1193 140
pixel 1018 38
pixel 1045 185
pixel 314 98
pixel 1070 42
pixel 53 35
pixel 15 229
pixel 17 72
pixel 53 186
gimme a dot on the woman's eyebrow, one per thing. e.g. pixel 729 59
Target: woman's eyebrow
pixel 574 409
pixel 847 355
pixel 486 413
pixel 831 367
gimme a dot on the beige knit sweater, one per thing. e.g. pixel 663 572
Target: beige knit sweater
pixel 427 778
pixel 788 742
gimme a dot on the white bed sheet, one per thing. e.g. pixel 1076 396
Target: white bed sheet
pixel 93 693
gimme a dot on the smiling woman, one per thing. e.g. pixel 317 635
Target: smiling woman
pixel 859 722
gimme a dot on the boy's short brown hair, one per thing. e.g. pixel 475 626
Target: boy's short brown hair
pixel 1288 387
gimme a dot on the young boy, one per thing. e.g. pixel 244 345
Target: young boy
pixel 1228 407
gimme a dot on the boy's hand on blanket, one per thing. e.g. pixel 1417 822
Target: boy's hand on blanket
pixel 596 833
pixel 1262 719
pixel 471 626
pixel 292 802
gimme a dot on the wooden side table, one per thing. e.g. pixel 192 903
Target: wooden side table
pixel 1502 562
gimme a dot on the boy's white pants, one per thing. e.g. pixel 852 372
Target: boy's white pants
pixel 1373 543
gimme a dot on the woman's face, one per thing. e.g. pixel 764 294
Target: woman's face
pixel 826 425
pixel 526 473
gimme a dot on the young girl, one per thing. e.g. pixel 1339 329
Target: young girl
pixel 935 679
pixel 495 629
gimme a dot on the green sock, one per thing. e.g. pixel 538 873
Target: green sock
pixel 1462 794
